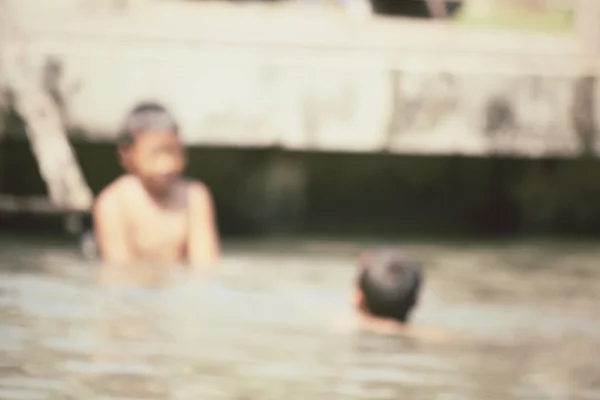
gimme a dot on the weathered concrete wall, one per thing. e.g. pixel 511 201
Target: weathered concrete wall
pixel 339 87
pixel 334 86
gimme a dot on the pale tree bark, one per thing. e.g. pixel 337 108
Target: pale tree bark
pixel 48 139
pixel 45 129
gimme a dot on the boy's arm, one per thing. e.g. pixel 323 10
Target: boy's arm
pixel 203 245
pixel 109 229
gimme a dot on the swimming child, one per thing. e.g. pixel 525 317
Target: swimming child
pixel 387 288
pixel 386 293
pixel 152 213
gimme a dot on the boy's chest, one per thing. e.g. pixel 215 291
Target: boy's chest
pixel 159 234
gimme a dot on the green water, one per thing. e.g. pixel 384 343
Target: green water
pixel 524 316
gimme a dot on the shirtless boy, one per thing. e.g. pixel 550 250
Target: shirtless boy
pixel 151 213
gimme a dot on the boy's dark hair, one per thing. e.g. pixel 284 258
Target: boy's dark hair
pixel 390 283
pixel 146 116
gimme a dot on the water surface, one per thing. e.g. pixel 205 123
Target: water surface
pixel 524 316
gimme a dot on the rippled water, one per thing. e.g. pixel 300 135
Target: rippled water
pixel 524 320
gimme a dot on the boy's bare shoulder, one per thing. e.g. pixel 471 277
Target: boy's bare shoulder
pixel 197 190
pixel 110 196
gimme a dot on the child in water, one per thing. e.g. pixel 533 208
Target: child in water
pixel 387 288
pixel 152 213
pixel 386 293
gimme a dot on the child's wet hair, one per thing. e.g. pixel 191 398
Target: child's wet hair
pixel 146 117
pixel 390 283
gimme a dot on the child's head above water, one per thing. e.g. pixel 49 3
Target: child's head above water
pixel 150 148
pixel 388 284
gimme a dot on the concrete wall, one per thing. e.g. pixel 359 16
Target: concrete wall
pixel 395 85
pixel 242 77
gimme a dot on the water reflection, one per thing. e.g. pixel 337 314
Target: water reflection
pixel 266 326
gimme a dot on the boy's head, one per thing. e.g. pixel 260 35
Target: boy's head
pixel 150 148
pixel 388 284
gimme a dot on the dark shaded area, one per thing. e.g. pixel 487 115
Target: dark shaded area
pixel 363 194
pixel 501 213
pixel 411 8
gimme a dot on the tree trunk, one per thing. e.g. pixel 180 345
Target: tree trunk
pixel 50 145
pixel 45 128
